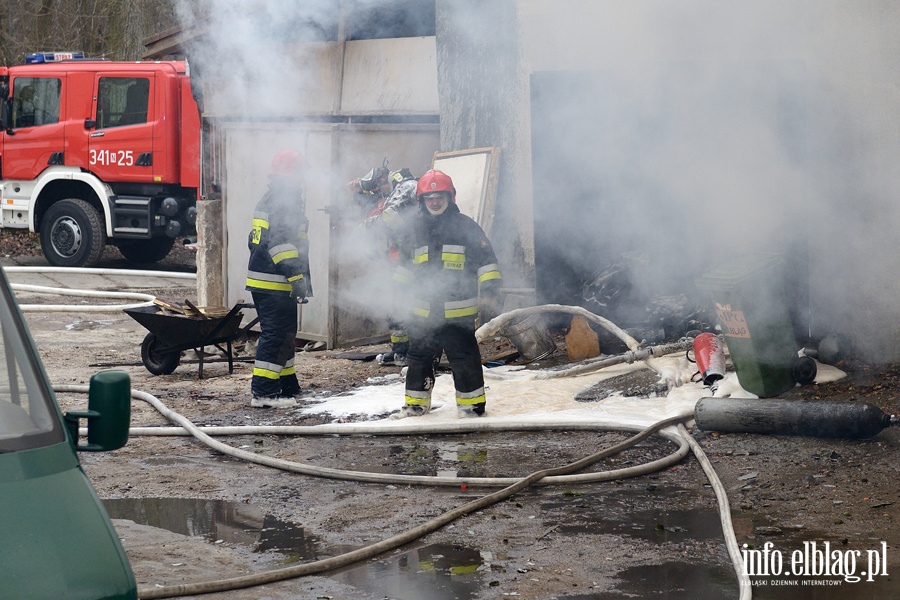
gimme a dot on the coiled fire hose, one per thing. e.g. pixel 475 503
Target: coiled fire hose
pixel 514 485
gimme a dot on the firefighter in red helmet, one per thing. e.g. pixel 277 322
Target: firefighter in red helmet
pixel 450 275
pixel 278 279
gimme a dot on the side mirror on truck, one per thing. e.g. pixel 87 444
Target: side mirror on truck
pixel 108 415
pixel 58 540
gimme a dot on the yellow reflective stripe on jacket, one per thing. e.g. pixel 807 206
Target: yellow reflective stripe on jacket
pixel 282 252
pixel 461 308
pixel 452 310
pixel 268 285
pixel 402 274
pixel 267 281
pixel 454 257
pixel 295 277
pixel 487 272
pixel 470 398
pixel 260 222
pixel 420 255
pixel 420 308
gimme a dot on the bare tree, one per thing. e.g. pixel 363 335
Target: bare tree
pixel 112 29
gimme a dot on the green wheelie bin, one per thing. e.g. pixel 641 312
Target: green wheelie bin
pixel 751 305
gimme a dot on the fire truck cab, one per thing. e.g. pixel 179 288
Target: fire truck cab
pixel 96 152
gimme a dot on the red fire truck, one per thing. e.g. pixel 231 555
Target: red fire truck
pixel 96 152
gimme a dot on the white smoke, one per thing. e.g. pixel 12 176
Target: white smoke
pixel 697 129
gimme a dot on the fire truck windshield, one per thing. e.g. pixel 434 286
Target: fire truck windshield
pixel 35 101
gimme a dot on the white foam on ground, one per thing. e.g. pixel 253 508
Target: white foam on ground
pixel 524 395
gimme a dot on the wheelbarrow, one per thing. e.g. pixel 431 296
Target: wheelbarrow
pixel 170 334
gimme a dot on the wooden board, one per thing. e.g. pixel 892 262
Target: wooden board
pixel 581 341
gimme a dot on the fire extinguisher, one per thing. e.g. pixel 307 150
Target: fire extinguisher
pixel 710 358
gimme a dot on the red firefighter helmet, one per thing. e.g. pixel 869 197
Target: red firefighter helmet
pixel 436 181
pixel 288 163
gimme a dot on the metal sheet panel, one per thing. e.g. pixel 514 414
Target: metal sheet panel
pixel 249 149
pixel 390 76
pixel 288 80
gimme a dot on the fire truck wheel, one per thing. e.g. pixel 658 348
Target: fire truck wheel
pixel 72 234
pixel 146 252
pixel 156 363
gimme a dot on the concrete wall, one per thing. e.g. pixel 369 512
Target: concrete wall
pixel 482 86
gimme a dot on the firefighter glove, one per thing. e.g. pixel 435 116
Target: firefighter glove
pixel 299 290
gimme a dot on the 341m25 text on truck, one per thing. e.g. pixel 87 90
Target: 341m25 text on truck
pixel 97 152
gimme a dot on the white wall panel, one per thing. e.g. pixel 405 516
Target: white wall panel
pixel 390 76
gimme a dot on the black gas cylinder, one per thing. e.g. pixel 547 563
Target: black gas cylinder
pixel 826 418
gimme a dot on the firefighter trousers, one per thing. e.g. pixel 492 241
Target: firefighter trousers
pixel 399 336
pixel 273 371
pixel 463 354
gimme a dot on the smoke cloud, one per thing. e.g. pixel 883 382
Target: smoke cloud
pixel 690 134
pixel 668 136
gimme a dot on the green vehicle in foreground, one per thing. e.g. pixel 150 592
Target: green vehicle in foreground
pixel 56 541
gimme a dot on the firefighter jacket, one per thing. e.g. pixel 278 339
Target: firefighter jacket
pixel 278 242
pixel 445 262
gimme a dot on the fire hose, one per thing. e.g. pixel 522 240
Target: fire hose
pixel 548 476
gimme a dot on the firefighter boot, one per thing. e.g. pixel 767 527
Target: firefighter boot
pixel 414 410
pixel 392 358
pixel 418 402
pixel 272 402
pixel 466 411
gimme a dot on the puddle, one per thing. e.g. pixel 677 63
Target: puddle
pixel 218 520
pixel 436 572
pixel 440 458
pixel 670 581
pixel 617 513
pixel 625 512
pixel 86 325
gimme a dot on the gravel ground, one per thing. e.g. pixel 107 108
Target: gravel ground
pixel 651 536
